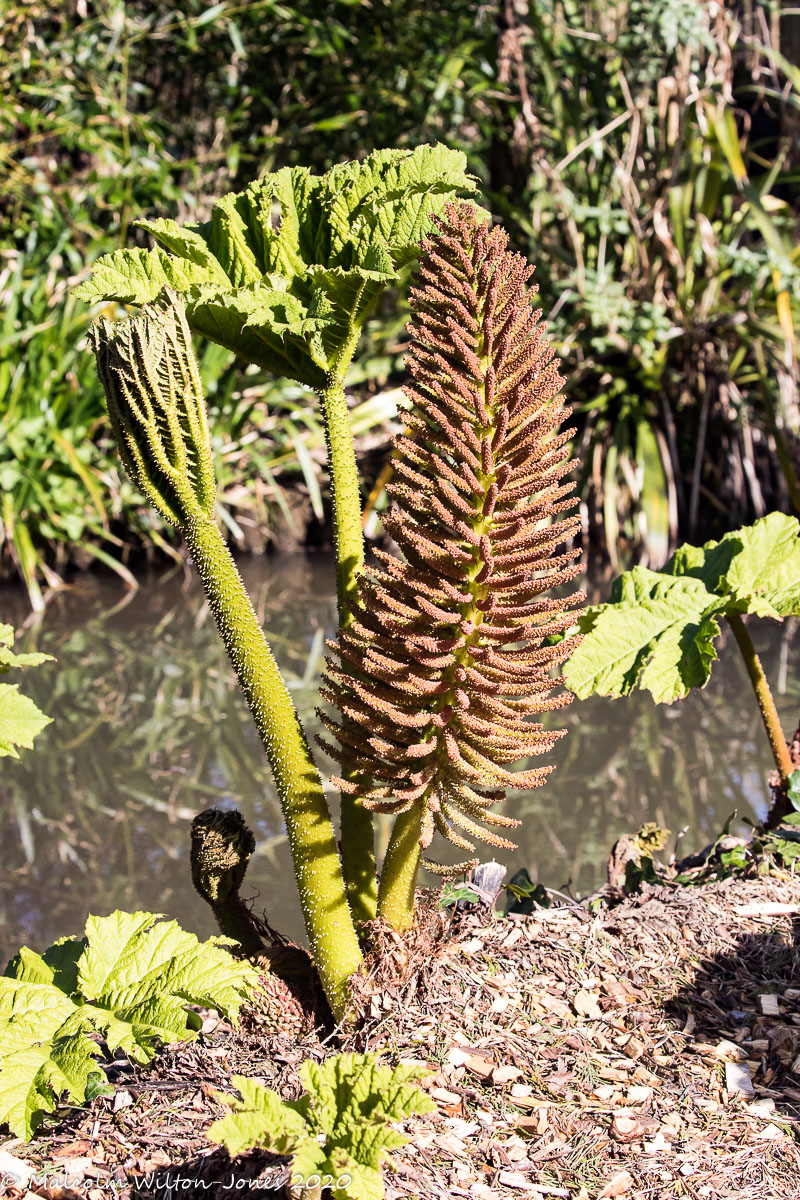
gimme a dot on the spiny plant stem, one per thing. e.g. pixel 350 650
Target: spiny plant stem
pixel 400 869
pixel 308 823
pixel 357 831
pixel 766 703
pixel 348 539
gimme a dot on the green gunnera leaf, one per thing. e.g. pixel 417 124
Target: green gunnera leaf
pixel 447 656
pixel 285 271
pixel 755 569
pixel 340 1127
pixel 658 630
pixel 128 979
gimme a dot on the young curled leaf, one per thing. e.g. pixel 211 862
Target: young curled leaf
pixel 341 1127
pixel 157 407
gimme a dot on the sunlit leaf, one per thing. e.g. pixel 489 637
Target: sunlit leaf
pixel 129 979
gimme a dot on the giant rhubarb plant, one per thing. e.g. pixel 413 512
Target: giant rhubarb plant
pixel 285 274
pixel 446 656
pixel 443 658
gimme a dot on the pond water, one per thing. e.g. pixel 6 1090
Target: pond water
pixel 149 728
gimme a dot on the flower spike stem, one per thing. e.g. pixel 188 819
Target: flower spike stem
pixel 308 824
pixel 400 870
pixel 357 830
pixel 766 702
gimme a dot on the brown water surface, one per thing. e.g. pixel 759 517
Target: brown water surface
pixel 149 728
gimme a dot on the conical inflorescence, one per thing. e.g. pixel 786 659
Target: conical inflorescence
pixel 448 653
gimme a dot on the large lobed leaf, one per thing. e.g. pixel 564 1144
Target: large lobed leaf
pixel 755 569
pixel 283 272
pixel 129 980
pixel 340 1127
pixel 658 629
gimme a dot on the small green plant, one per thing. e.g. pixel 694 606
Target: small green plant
pixel 658 630
pixel 129 980
pixel 20 719
pixel 525 896
pixel 731 856
pixel 442 659
pixel 338 1133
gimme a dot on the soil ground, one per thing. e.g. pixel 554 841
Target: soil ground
pixel 649 1049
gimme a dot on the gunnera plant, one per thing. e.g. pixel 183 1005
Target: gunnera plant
pixel 443 656
pixel 447 653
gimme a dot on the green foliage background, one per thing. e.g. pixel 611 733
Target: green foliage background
pixel 644 155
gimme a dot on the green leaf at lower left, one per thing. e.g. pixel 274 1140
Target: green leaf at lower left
pixel 33 1079
pixel 129 979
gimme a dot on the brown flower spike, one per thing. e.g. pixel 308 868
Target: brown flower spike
pixel 445 658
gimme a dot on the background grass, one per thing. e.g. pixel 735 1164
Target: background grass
pixel 643 153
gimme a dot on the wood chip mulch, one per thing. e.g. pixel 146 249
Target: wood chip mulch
pixel 647 1050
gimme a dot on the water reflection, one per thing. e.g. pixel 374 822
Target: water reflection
pixel 149 728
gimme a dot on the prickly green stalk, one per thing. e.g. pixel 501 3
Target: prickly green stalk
pixel 766 702
pixel 158 414
pixel 400 870
pixel 357 830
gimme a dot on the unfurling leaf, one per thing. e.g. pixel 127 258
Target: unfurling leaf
pixel 157 408
pixel 447 657
pixel 129 979
pixel 658 629
pixel 283 272
pixel 340 1127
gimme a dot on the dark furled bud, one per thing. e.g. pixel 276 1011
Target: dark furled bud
pixel 446 658
pixel 157 408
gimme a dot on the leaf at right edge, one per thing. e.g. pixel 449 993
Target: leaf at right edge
pixel 20 721
pixel 659 634
pixel 755 569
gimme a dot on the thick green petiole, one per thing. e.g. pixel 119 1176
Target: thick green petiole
pixel 308 823
pixel 400 870
pixel 766 702
pixel 357 832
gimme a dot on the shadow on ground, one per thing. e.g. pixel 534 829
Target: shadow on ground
pixel 749 994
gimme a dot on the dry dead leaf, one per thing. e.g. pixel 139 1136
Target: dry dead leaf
pixel 618 1186
pixel 507 1074
pixel 586 1005
pixel 625 1128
